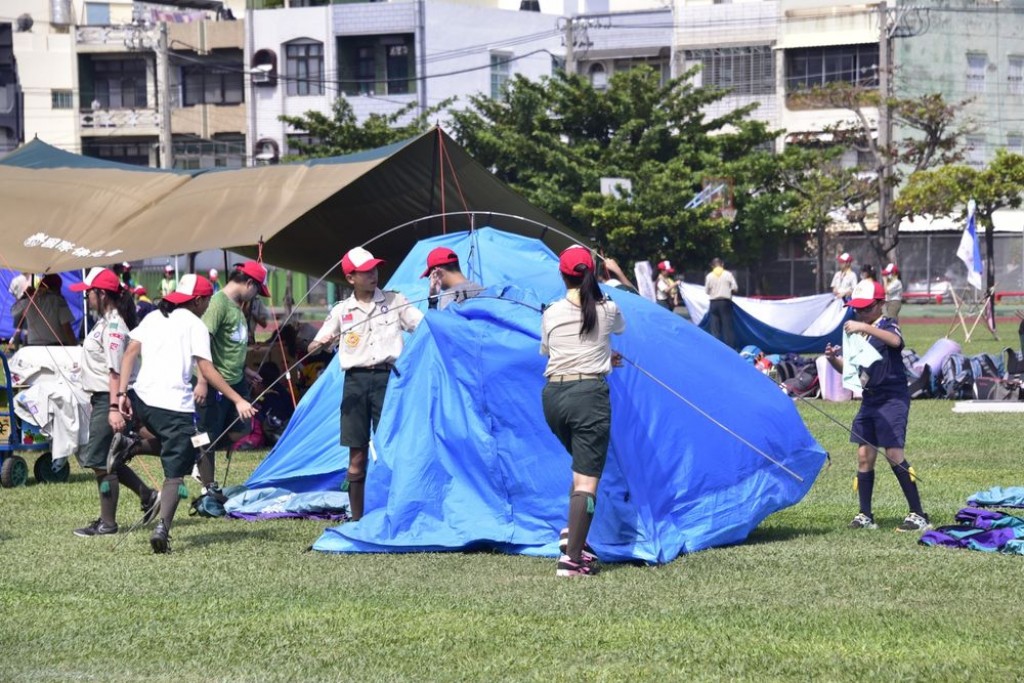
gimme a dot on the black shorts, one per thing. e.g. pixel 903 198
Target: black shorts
pixel 361 401
pixel 580 415
pixel 174 430
pixel 219 414
pixel 93 455
pixel 881 423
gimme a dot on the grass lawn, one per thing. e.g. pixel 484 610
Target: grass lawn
pixel 803 599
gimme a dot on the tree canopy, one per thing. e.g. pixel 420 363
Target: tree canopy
pixel 553 140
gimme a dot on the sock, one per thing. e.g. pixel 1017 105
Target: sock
pixel 909 486
pixel 865 489
pixel 109 489
pixel 207 467
pixel 127 476
pixel 169 500
pixel 581 513
pixel 356 496
pixel 146 447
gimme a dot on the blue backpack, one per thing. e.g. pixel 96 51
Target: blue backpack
pixel 956 378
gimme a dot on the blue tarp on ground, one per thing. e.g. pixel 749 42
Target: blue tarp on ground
pixel 466 460
pixel 799 325
pixel 75 300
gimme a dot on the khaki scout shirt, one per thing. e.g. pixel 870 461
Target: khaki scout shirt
pixel 371 333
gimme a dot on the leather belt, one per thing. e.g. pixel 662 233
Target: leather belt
pixel 379 367
pixel 560 379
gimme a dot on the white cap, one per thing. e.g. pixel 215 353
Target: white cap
pixel 169 268
pixel 213 272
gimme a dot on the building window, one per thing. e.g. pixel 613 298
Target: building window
pixel 1015 143
pixel 97 14
pixel 61 99
pixel 598 76
pixel 975 151
pixel 499 74
pixel 304 67
pixel 377 65
pixel 1015 76
pixel 206 84
pixel 119 84
pixel 741 70
pixel 976 65
pixel 295 139
pixel 814 67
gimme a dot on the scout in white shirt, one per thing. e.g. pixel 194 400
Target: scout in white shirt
pixel 170 340
pixel 102 351
pixel 576 336
pixel 368 327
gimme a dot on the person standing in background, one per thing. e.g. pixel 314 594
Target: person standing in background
pixel 168 284
pixel 845 279
pixel 665 286
pixel 720 285
pixel 46 314
pixel 893 291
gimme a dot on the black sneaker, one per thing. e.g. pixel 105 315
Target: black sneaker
pixel 160 540
pixel 150 507
pixel 97 528
pixel 120 449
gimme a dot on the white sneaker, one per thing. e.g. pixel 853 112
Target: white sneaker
pixel 915 522
pixel 862 521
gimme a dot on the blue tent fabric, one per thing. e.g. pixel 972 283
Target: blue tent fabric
pixel 75 301
pixel 465 459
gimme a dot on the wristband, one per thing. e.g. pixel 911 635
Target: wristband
pixel 113 410
pixel 121 393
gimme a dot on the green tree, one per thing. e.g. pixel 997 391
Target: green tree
pixel 554 139
pixel 944 191
pixel 936 132
pixel 342 133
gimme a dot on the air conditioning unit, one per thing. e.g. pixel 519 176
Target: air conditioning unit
pixel 261 77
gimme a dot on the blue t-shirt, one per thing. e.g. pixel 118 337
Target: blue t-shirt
pixel 886 378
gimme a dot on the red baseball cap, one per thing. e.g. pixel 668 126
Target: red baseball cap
pixel 98 278
pixel 890 269
pixel 439 257
pixel 139 291
pixel 866 293
pixel 257 272
pixel 844 258
pixel 666 267
pixel 359 260
pixel 572 258
pixel 189 287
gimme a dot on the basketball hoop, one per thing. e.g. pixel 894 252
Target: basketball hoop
pixel 728 213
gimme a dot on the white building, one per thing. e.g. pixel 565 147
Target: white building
pixel 382 56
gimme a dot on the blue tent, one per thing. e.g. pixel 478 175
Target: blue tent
pixel 75 300
pixel 703 446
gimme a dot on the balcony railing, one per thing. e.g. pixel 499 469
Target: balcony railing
pixel 125 36
pixel 126 121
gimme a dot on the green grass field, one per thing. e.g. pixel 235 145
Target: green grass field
pixel 803 599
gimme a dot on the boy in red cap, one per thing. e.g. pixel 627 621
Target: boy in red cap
pixel 666 291
pixel 447 283
pixel 368 327
pixel 881 421
pixel 229 343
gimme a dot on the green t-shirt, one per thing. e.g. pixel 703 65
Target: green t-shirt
pixel 229 337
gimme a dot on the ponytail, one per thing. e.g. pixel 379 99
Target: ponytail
pixel 590 296
pixel 125 304
pixel 166 307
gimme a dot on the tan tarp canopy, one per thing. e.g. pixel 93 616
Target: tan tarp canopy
pixel 60 211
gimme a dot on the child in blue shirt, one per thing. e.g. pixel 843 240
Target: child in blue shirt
pixel 882 419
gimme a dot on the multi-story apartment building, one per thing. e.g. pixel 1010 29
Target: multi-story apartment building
pixel 382 56
pixel 94 83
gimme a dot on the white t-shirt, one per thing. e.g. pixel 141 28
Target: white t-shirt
pixel 102 352
pixel 567 353
pixel 169 347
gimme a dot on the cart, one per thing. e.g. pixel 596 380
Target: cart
pixel 18 436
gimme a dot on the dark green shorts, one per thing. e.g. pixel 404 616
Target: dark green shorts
pixel 219 414
pixel 94 454
pixel 361 401
pixel 174 430
pixel 580 415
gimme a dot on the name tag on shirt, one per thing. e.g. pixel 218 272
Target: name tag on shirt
pixel 200 440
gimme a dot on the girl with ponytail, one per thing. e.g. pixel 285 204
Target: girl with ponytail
pixel 576 336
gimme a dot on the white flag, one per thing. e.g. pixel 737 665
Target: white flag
pixel 968 251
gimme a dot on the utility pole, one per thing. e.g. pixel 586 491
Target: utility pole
pixel 164 77
pixel 570 61
pixel 884 118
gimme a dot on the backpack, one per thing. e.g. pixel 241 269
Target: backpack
pixel 787 369
pixel 1014 364
pixel 920 386
pixel 996 389
pixel 956 378
pixel 986 365
pixel 805 383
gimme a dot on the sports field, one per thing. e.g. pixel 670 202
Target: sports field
pixel 803 599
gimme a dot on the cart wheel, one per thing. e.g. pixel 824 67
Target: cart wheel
pixel 13 472
pixel 45 473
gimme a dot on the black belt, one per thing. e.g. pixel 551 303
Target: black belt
pixel 379 367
